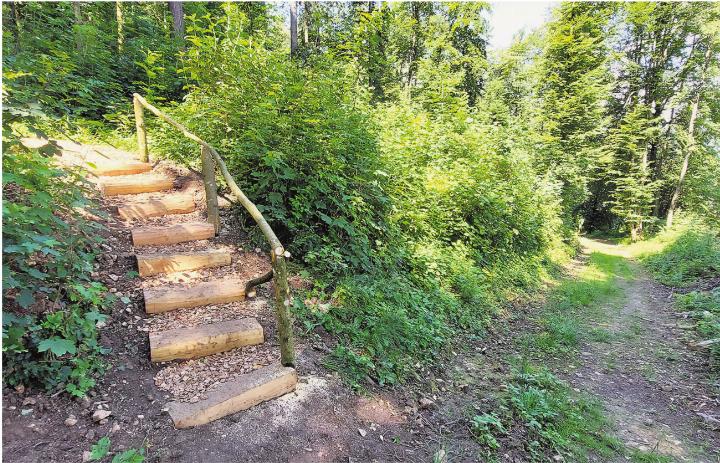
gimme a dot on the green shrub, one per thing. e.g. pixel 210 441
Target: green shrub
pixel 50 304
pixel 704 307
pixel 298 147
pixel 693 255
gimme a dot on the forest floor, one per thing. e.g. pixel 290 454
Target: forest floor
pixel 631 353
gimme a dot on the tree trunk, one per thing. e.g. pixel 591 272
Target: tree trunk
pixel 306 23
pixel 415 52
pixel 634 233
pixel 690 145
pixel 120 24
pixel 293 27
pixel 15 10
pixel 686 161
pixel 176 8
pixel 77 11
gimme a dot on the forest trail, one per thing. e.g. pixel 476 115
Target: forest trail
pixel 318 421
pixel 657 390
pixel 142 194
pixel 654 388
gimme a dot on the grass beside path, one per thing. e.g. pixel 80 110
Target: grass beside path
pixel 560 422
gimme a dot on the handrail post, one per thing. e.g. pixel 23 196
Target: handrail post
pixel 208 172
pixel 282 308
pixel 140 128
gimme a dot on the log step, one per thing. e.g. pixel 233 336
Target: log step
pixel 213 292
pixel 172 234
pixel 178 204
pixel 233 396
pixel 152 264
pixel 199 341
pixel 111 169
pixel 135 184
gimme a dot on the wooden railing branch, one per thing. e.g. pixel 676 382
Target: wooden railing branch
pixel 252 209
pixel 169 119
pixel 278 254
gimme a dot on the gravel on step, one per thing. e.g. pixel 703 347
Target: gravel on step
pixel 191 380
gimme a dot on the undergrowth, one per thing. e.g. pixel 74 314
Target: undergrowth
pixel 689 255
pixel 694 254
pixel 704 308
pixel 555 420
pixel 51 305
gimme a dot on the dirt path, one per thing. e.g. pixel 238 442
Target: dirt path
pixel 321 421
pixel 656 389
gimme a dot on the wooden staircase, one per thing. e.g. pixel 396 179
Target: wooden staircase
pixel 239 393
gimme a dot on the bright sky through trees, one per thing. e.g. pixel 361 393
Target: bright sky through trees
pixel 509 18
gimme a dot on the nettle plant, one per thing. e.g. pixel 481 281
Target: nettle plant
pixel 51 306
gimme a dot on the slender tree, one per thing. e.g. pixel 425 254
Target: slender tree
pixel 690 146
pixel 176 8
pixel 293 27
pixel 120 26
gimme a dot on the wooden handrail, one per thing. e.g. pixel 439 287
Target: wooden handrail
pixel 278 254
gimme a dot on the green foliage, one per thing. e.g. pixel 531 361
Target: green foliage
pixel 298 149
pixel 633 193
pixel 51 305
pixel 556 419
pixel 130 456
pixel 704 308
pixel 386 325
pixel 101 449
pixel 572 87
pixel 693 255
pixel 639 456
pixel 74 62
pixel 485 427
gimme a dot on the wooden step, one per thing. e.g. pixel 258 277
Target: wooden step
pixel 152 264
pixel 114 168
pixel 135 184
pixel 214 292
pixel 175 204
pixel 233 396
pixel 199 341
pixel 172 234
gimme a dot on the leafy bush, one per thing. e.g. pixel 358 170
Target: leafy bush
pixel 693 255
pixel 50 304
pixel 297 147
pixel 704 307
